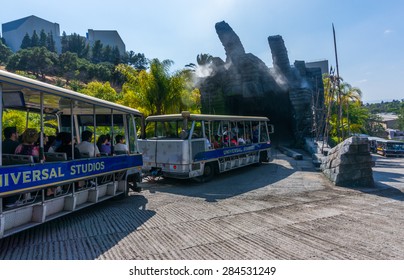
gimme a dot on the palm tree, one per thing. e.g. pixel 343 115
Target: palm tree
pixel 202 59
pixel 157 91
pixel 344 108
pixel 349 95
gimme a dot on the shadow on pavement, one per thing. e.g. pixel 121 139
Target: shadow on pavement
pixel 82 235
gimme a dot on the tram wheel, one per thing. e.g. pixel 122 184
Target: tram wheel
pixel 208 172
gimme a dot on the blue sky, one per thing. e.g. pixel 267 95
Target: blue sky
pixel 370 34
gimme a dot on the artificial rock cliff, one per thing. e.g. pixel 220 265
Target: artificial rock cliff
pixel 244 85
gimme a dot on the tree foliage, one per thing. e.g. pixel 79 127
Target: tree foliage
pixel 345 114
pixel 157 91
pixel 101 90
pixel 5 53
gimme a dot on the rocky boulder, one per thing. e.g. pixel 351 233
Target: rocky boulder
pixel 349 164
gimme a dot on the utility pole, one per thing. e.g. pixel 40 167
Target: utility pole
pixel 339 98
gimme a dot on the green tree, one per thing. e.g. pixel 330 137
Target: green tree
pixel 64 41
pixel 401 117
pixel 101 90
pixel 136 60
pixel 42 38
pixel 106 53
pixel 156 91
pixel 350 100
pixel 68 64
pixel 204 59
pixel 344 111
pixel 77 44
pixel 50 43
pixel 34 39
pixel 115 56
pixel 39 61
pixel 5 53
pixel 101 71
pixel 26 42
pixel 96 52
pixel 373 126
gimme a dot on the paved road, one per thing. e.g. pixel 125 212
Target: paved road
pixel 281 210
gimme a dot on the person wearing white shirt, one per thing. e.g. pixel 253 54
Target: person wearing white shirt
pixel 120 147
pixel 86 147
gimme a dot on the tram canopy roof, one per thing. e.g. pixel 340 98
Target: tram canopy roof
pixel 22 93
pixel 203 117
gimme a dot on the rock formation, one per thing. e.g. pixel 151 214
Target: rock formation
pixel 349 164
pixel 244 85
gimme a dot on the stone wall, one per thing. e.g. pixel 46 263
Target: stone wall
pixel 349 164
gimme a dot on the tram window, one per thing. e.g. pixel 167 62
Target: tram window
pixel 263 132
pixel 197 133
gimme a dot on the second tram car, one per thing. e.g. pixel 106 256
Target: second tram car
pixel 198 146
pixel 385 147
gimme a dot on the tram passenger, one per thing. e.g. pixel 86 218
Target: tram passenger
pixel 28 147
pixel 86 147
pixel 51 139
pixel 66 147
pixel 10 142
pixel 102 145
pixel 56 143
pixel 241 141
pixel 255 134
pixel 233 141
pixel 120 147
pixel 215 142
pixel 248 138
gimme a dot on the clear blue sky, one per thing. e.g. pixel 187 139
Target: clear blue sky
pixel 370 34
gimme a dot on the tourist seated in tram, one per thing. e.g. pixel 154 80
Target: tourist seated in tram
pixel 51 139
pixel 233 141
pixel 103 146
pixel 86 147
pixel 241 140
pixel 10 142
pixel 66 147
pixel 255 134
pixel 215 142
pixel 56 142
pixel 120 147
pixel 28 146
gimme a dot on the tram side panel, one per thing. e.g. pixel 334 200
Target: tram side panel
pixel 166 157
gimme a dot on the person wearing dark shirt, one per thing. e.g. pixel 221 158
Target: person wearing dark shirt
pixel 66 146
pixel 10 142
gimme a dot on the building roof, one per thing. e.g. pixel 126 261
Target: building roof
pixel 12 25
pixel 388 117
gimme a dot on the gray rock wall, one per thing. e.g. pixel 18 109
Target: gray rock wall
pixel 243 85
pixel 349 164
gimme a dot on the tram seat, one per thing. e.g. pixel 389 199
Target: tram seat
pixel 50 157
pixel 120 153
pixel 84 155
pixel 9 159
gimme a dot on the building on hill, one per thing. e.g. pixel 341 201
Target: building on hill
pixel 14 31
pixel 389 120
pixel 107 38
